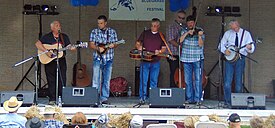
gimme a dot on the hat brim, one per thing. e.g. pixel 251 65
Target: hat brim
pixel 28 123
pixel 7 108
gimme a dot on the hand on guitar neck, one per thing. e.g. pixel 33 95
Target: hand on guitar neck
pixel 103 48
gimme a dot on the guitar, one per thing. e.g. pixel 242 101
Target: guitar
pixel 44 59
pixel 234 51
pixel 107 46
pixel 148 56
pixel 80 76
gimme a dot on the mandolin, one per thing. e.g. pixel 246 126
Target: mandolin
pixel 107 46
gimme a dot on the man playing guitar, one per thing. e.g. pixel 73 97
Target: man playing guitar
pixel 150 40
pixel 50 68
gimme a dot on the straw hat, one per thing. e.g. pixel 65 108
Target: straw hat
pixel 49 110
pixel 12 104
pixel 34 123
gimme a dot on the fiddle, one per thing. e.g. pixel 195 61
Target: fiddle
pixel 196 31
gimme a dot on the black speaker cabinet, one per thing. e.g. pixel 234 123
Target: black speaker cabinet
pixel 167 98
pixel 248 100
pixel 74 96
pixel 26 96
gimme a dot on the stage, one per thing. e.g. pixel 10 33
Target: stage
pixel 121 105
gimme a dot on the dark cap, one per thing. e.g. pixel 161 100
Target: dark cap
pixel 190 18
pixel 234 118
pixel 34 123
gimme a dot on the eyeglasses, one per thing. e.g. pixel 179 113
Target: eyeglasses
pixel 181 17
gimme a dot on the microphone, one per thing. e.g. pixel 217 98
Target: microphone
pixel 145 28
pixel 59 30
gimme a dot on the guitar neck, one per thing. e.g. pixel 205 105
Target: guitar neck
pixel 246 44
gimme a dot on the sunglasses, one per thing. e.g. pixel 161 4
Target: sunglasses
pixel 181 17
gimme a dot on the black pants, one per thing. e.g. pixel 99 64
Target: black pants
pixel 50 70
pixel 173 64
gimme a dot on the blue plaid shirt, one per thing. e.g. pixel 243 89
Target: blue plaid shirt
pixel 191 51
pixel 53 124
pixel 104 37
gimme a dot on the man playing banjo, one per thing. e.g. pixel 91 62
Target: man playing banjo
pixel 235 44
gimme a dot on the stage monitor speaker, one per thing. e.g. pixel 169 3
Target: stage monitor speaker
pixel 74 96
pixel 248 100
pixel 26 96
pixel 167 98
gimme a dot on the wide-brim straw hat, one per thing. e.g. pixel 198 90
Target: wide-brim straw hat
pixel 12 104
pixel 49 110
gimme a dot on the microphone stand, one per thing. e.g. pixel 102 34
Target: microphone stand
pixel 57 68
pixel 36 71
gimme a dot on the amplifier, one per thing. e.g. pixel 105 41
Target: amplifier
pixel 26 96
pixel 167 98
pixel 74 96
pixel 248 100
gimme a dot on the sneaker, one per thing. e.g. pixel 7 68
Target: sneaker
pixel 198 103
pixel 105 102
pixel 141 101
pixel 187 102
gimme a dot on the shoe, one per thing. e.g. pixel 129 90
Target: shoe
pixel 105 102
pixel 198 103
pixel 226 106
pixel 141 102
pixel 187 102
pixel 51 103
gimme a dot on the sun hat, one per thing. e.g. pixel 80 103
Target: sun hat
pixel 12 104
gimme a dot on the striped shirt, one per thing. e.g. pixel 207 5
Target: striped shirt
pixel 191 51
pixel 173 33
pixel 104 37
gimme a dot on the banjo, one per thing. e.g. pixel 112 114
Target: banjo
pixel 234 51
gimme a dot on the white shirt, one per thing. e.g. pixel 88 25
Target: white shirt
pixel 229 39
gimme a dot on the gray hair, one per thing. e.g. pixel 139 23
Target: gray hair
pixel 54 22
pixel 234 21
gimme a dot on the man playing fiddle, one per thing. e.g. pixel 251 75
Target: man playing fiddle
pixel 192 40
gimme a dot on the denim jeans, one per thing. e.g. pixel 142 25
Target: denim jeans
pixel 147 68
pixel 101 76
pixel 193 90
pixel 235 69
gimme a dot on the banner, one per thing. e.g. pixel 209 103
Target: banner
pixel 140 10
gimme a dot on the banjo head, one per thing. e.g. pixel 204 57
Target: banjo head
pixel 233 55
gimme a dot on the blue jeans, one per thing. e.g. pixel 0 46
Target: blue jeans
pixel 193 90
pixel 147 68
pixel 235 69
pixel 101 76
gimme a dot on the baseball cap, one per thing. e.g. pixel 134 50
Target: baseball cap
pixel 234 117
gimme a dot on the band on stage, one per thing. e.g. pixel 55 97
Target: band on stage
pixel 183 45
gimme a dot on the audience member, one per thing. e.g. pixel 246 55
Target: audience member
pixel 79 118
pixel 12 119
pixel 50 121
pixel 35 122
pixel 234 121
pixel 136 122
pixel 256 122
pixel 190 121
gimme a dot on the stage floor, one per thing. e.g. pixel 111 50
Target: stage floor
pixel 121 105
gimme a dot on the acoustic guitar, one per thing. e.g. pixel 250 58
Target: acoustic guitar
pixel 45 59
pixel 80 76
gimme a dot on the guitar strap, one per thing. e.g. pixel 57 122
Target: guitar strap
pixel 162 37
pixel 242 39
pixel 62 39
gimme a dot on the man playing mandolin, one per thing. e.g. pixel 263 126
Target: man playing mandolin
pixel 235 40
pixel 103 57
pixel 153 41
pixel 52 39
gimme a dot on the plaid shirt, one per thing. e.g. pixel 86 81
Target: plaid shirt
pixel 191 51
pixel 53 124
pixel 173 33
pixel 104 37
